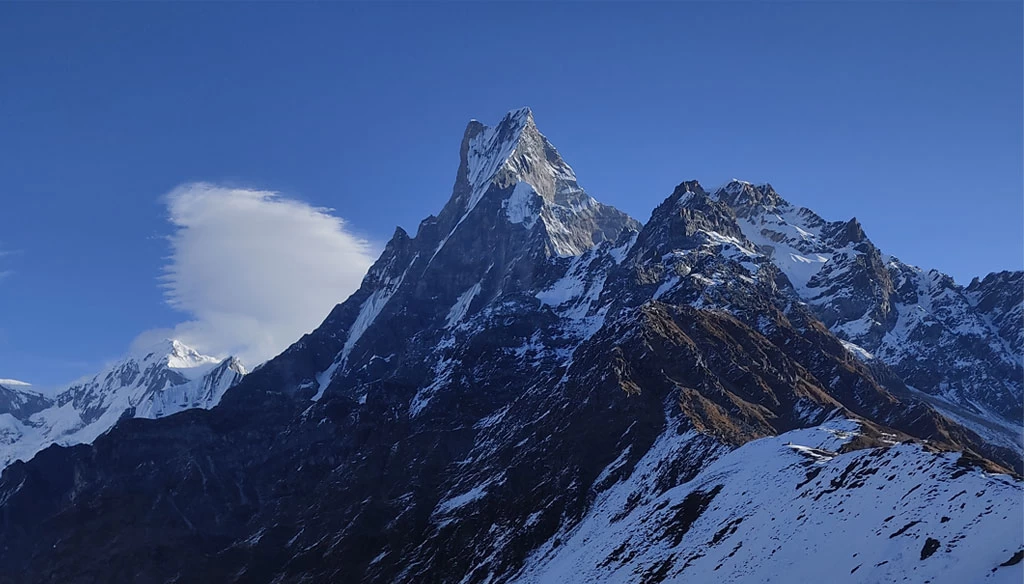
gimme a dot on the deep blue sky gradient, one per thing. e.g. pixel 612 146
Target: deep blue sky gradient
pixel 905 115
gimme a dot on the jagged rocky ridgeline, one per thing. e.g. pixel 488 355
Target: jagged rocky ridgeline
pixel 537 388
pixel 151 382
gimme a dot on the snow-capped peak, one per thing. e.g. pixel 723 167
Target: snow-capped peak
pixel 151 381
pixel 512 167
pixel 174 355
pixel 535 184
pixel 512 152
pixel 491 148
pixel 745 197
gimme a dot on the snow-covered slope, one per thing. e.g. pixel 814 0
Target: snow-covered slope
pixel 150 383
pixel 791 508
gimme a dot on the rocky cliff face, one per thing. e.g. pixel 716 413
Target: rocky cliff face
pixel 535 387
pixel 1000 299
pixel 20 400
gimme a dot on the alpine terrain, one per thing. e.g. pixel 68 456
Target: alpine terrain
pixel 535 387
pixel 151 383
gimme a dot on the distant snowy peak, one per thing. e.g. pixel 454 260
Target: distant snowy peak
pixel 164 373
pixel 150 382
pixel 179 357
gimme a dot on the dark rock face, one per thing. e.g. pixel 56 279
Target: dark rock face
pixel 526 353
pixel 1000 298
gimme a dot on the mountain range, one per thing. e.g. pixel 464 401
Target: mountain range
pixel 536 387
pixel 152 382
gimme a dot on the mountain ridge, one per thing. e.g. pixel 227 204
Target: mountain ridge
pixel 148 382
pixel 894 310
pixel 484 405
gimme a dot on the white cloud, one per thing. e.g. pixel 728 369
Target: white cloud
pixel 254 270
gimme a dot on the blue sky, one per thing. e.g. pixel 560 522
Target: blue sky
pixel 907 116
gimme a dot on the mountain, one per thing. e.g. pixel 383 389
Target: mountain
pixel 537 388
pixel 960 345
pixel 151 383
pixel 19 400
pixel 999 298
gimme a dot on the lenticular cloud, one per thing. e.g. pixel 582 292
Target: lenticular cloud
pixel 255 270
